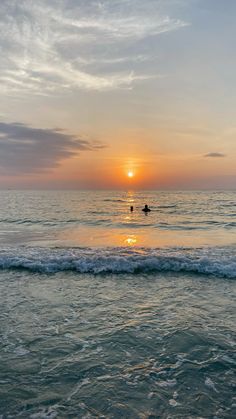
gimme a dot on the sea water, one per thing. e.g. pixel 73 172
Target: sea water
pixel 107 313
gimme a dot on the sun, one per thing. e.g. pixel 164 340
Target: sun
pixel 130 173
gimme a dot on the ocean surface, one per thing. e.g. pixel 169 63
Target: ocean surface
pixel 106 313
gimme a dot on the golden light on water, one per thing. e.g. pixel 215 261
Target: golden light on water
pixel 131 240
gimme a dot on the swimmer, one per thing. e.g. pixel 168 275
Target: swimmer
pixel 131 208
pixel 146 209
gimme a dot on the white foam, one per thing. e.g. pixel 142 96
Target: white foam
pixel 209 383
pixel 173 403
pixel 167 383
pixel 20 351
pixel 220 262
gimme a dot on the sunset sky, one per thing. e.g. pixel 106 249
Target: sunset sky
pixel 94 89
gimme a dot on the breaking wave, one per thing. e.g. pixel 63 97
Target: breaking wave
pixel 220 262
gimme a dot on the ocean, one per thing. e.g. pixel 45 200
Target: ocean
pixel 108 313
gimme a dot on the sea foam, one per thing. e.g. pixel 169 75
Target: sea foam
pixel 220 262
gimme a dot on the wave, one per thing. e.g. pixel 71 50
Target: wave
pixel 220 262
pixel 166 206
pixel 116 200
pixel 56 222
pixel 29 222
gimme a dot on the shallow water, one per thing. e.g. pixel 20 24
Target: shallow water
pixel 72 218
pixel 93 325
pixel 119 346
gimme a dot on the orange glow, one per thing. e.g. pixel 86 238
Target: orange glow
pixel 105 171
pixel 131 240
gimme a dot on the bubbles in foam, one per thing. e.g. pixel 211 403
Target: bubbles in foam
pixel 208 261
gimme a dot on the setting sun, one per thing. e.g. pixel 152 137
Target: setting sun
pixel 130 174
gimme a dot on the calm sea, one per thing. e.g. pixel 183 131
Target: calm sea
pixel 107 313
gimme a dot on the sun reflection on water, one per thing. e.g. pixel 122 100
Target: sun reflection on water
pixel 131 240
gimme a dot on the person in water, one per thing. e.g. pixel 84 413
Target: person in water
pixel 146 209
pixel 131 208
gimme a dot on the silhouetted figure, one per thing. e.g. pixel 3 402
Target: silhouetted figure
pixel 146 209
pixel 131 208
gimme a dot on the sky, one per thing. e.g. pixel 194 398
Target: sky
pixel 94 89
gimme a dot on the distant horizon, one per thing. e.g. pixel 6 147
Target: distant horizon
pixel 117 190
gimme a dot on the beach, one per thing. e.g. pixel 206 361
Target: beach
pixel 117 209
pixel 110 314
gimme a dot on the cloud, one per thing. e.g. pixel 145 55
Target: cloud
pixel 46 47
pixel 24 149
pixel 214 154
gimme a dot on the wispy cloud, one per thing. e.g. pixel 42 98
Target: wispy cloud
pixel 48 46
pixel 24 149
pixel 214 155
